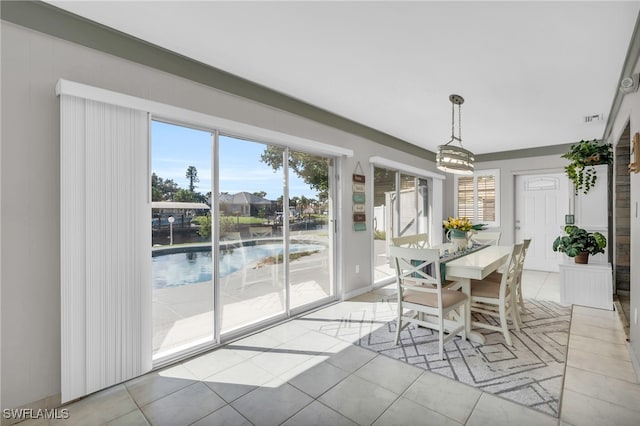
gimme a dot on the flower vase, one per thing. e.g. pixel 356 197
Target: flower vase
pixel 458 238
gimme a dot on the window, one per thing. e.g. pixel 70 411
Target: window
pixel 477 197
pixel 401 207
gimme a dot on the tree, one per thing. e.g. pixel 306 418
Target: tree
pixel 313 170
pixel 184 195
pixel 260 194
pixel 162 189
pixel 192 175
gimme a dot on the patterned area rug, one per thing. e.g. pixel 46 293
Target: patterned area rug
pixel 529 373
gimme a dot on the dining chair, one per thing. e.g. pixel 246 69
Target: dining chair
pixel 525 247
pixel 420 291
pixel 412 241
pixel 497 298
pixel 260 231
pixel 497 276
pixel 487 237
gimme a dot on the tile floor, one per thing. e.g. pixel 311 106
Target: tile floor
pixel 293 375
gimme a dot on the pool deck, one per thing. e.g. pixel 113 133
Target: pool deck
pixel 183 315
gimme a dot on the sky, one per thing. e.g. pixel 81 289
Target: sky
pixel 175 148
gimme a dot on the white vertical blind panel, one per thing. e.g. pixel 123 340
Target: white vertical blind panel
pixel 72 247
pixel 105 256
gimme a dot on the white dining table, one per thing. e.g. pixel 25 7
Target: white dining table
pixel 477 265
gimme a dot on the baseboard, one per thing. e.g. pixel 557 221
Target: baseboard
pixel 356 293
pixel 31 411
pixel 635 361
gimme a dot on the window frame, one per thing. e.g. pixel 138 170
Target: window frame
pixel 495 173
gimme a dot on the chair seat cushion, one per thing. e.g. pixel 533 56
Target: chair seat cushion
pixel 486 288
pixel 449 298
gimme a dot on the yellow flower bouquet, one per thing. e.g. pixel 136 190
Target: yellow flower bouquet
pixel 461 224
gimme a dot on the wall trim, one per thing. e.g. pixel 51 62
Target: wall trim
pixel 633 54
pixel 357 292
pixel 171 113
pixel 539 151
pixel 396 165
pixel 634 360
pixel 56 22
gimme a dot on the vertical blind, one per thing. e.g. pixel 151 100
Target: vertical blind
pixel 105 245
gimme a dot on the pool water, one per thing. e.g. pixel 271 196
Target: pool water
pixel 178 269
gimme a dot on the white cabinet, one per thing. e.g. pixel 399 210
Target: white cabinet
pixel 592 210
pixel 586 285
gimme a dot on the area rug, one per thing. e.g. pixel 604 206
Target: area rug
pixel 529 373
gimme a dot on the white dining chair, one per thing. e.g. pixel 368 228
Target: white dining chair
pixel 260 231
pixel 420 290
pixel 411 241
pixel 498 299
pixel 487 237
pixel 497 276
pixel 519 297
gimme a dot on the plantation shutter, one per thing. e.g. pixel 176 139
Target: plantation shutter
pixel 486 199
pixel 465 197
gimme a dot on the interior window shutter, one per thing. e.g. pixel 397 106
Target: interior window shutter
pixel 105 243
pixel 487 198
pixel 465 197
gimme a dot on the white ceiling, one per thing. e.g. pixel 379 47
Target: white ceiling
pixel 529 71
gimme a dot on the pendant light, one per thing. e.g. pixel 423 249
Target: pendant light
pixel 451 158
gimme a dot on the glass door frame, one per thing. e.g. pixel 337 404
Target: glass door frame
pixel 395 225
pixel 220 338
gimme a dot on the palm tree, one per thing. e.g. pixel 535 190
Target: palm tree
pixel 192 175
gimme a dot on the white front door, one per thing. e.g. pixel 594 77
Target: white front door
pixel 541 204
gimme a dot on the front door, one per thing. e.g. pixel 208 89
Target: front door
pixel 542 200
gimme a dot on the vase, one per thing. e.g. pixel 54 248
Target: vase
pixel 458 238
pixel 583 257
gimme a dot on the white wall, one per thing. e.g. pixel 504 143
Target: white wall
pixel 32 63
pixel 630 112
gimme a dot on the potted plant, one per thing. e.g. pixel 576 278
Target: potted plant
pixel 457 229
pixel 579 243
pixel 583 156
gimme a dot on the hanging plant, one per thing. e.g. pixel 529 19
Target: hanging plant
pixel 583 156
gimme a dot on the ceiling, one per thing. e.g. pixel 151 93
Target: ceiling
pixel 530 72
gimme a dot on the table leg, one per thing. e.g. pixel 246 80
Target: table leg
pixel 465 286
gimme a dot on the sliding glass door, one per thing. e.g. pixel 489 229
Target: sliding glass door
pixel 310 234
pixel 251 233
pixel 182 272
pixel 401 207
pixel 237 224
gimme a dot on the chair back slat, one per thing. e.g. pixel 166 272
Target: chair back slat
pixel 412 241
pixel 416 266
pixel 510 274
pixel 487 237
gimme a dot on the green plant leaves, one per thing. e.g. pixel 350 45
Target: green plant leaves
pixel 583 156
pixel 578 240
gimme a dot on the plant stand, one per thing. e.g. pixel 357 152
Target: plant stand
pixel 586 285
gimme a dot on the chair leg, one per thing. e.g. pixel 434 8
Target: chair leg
pixel 514 311
pixel 504 325
pixel 399 325
pixel 520 299
pixel 441 337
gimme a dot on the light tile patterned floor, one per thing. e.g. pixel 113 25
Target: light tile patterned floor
pixel 292 375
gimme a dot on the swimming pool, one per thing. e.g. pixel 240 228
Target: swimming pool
pixel 178 269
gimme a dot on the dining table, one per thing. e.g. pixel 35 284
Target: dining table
pixel 476 265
